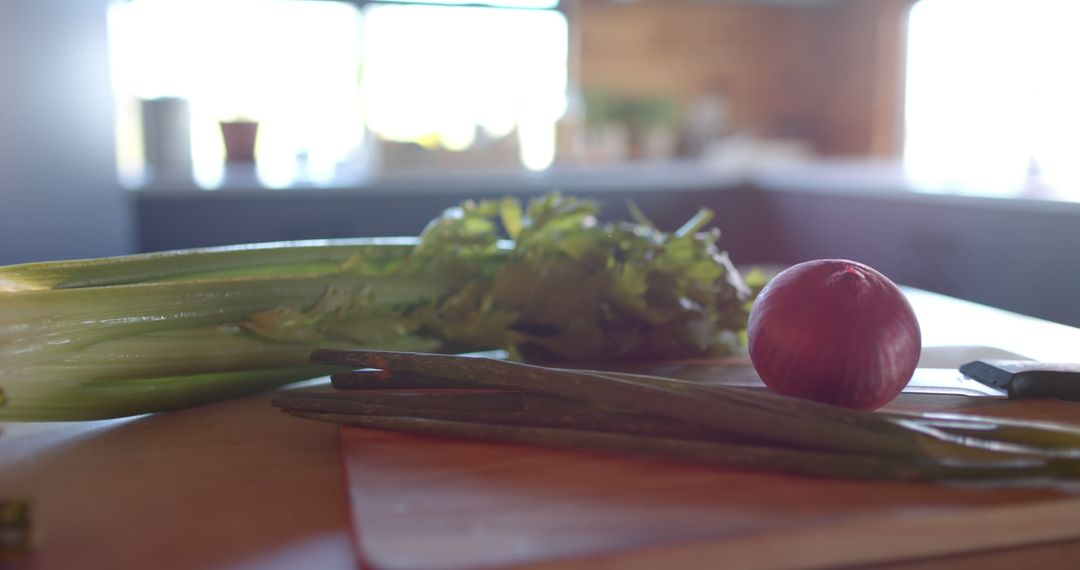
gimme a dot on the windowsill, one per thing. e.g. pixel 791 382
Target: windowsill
pixel 885 180
pixel 635 176
pixel 889 180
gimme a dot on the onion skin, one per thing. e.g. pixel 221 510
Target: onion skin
pixel 834 331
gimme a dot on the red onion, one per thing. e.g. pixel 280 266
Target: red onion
pixel 834 331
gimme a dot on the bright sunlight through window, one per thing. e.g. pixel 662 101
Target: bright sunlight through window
pixel 329 83
pixel 442 76
pixel 291 65
pixel 993 96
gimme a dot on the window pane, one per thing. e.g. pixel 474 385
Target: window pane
pixel 456 78
pixel 993 103
pixel 292 65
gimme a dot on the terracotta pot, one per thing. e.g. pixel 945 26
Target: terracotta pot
pixel 239 139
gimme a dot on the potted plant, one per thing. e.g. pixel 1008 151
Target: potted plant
pixel 239 135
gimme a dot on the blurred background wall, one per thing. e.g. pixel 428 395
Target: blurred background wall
pixel 801 122
pixel 828 74
pixel 59 194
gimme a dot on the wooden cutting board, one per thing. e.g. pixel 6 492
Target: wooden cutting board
pixel 435 503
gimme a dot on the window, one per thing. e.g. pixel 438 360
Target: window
pixel 993 96
pixel 338 91
pixel 291 65
pixel 455 78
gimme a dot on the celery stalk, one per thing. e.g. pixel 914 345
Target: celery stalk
pixel 127 335
pixel 52 401
pixel 67 319
pixel 279 258
pixel 175 343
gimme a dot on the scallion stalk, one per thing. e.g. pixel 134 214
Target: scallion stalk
pixel 821 439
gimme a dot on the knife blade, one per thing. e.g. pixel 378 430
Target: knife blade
pixel 1027 378
pixel 1012 379
pixel 947 381
pixel 950 381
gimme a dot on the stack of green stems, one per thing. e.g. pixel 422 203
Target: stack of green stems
pixel 500 400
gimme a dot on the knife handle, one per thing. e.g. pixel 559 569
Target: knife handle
pixel 1028 378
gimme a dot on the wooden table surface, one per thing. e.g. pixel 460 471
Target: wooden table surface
pixel 237 484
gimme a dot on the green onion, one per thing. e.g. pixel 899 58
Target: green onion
pixel 505 409
pixel 739 427
pixel 681 401
pixel 709 452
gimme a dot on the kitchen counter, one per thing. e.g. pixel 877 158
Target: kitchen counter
pixel 884 179
pixel 238 484
pixel 1014 253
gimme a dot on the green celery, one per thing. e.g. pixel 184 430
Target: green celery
pixel 107 334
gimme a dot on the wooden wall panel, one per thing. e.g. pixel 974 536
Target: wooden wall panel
pixel 832 73
pixel 861 109
pixel 750 55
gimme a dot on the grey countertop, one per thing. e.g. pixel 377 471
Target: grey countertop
pixel 870 179
pixel 1013 251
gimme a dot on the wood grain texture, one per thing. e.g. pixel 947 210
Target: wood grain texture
pixel 435 503
pixel 229 485
pixel 1065 555
pixel 857 543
